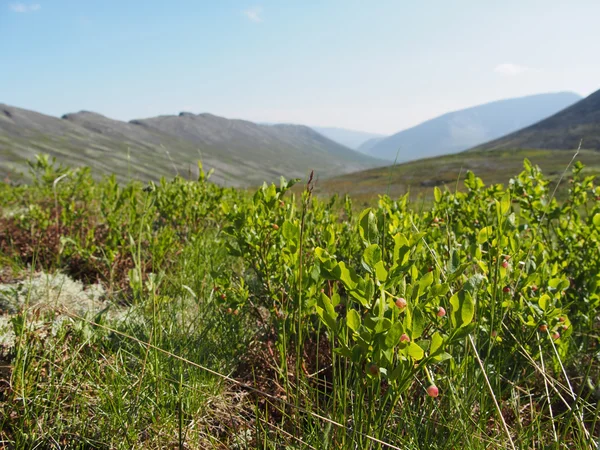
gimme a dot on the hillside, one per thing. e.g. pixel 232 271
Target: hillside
pixel 350 138
pixel 419 177
pixel 464 129
pixel 561 131
pixel 242 153
pixel 366 146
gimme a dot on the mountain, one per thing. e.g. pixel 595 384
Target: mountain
pixel 242 153
pixel 366 146
pixel 349 138
pixel 562 131
pixel 467 128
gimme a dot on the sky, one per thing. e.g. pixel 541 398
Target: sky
pixel 373 65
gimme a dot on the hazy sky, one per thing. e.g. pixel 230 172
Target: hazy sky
pixel 374 65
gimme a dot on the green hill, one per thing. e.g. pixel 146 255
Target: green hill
pixel 419 177
pixel 242 153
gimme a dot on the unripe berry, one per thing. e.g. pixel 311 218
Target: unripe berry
pixel 275 226
pixel 400 303
pixel 404 338
pixel 433 391
pixel 236 312
pixel 441 312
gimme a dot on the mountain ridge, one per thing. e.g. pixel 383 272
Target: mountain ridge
pixel 241 152
pixel 460 130
pixel 564 130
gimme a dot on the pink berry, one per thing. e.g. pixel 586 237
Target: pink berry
pixel 506 289
pixel 404 338
pixel 441 312
pixel 433 391
pixel 505 264
pixel 400 303
pixel 556 335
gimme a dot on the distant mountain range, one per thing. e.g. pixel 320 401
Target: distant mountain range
pixel 241 152
pixel 562 131
pixel 467 128
pixel 350 138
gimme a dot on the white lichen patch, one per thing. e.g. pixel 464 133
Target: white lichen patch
pixel 43 296
pixel 52 292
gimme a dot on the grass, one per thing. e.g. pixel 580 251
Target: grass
pixel 186 315
pixel 419 177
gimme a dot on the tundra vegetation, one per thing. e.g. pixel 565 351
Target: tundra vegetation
pixel 181 314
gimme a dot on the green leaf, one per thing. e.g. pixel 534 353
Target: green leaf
pixel 436 343
pixel 367 225
pixel 415 351
pixel 439 290
pixel 418 323
pixel 442 357
pixel 505 203
pixel 463 309
pixel 348 276
pixel 484 235
pixel 291 233
pixel 544 301
pixel 596 220
pixel 392 337
pixel 401 249
pixel 328 314
pixel 372 255
pixel 437 194
pixel 425 282
pixel 353 320
pixel 380 271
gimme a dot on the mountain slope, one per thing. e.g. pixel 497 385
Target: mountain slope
pixel 349 138
pixel 366 146
pixel 562 131
pixel 460 130
pixel 242 153
pixel 448 171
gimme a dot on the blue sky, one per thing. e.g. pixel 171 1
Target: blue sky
pixel 376 65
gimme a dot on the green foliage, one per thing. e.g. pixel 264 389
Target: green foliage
pixel 489 294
